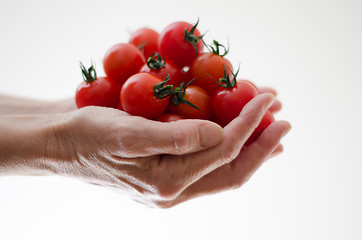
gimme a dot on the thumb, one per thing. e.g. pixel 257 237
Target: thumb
pixel 177 137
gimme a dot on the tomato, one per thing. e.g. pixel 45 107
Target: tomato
pixel 180 42
pixel 227 103
pixel 146 39
pixel 267 119
pixel 96 91
pixel 169 117
pixel 140 97
pixel 198 97
pixel 122 61
pixel 161 68
pixel 208 68
pixel 186 75
pixel 253 84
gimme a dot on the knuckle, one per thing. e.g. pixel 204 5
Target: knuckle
pixel 227 156
pixel 164 204
pixel 168 191
pixel 181 141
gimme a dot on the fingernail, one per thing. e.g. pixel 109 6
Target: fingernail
pixel 211 134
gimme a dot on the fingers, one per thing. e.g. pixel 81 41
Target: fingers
pixel 235 135
pixel 236 173
pixel 176 138
pixel 256 153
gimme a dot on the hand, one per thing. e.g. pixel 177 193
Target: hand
pixel 162 164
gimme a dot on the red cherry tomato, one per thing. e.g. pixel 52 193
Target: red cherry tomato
pixel 169 117
pixel 197 96
pixel 161 68
pixel 96 91
pixel 208 68
pixel 146 39
pixel 187 75
pixel 122 61
pixel 253 84
pixel 139 98
pixel 267 119
pixel 227 103
pixel 177 47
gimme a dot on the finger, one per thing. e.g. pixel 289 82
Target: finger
pixel 145 137
pixel 277 105
pixel 236 173
pixel 267 90
pixel 235 135
pixel 278 150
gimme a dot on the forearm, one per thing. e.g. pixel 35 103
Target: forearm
pixel 27 145
pixel 10 105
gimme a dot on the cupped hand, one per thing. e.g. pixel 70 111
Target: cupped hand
pixel 163 164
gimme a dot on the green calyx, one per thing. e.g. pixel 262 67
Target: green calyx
pixel 161 90
pixel 178 96
pixel 155 61
pixel 216 47
pixel 226 82
pixel 190 37
pixel 90 74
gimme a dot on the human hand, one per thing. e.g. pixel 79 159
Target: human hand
pixel 162 164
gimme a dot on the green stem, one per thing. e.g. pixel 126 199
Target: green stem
pixel 90 74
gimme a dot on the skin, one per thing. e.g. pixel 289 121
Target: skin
pixel 157 164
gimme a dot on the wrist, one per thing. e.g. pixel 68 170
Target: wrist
pixel 28 145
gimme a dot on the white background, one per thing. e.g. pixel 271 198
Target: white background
pixel 310 51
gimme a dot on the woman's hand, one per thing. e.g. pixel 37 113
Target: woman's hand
pixel 161 164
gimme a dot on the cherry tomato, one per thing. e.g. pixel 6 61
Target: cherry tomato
pixel 161 68
pixel 122 61
pixel 267 119
pixel 180 42
pixel 96 91
pixel 198 97
pixel 253 84
pixel 146 39
pixel 187 74
pixel 208 68
pixel 169 117
pixel 139 96
pixel 227 103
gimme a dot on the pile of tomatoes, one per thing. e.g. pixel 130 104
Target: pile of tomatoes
pixel 169 76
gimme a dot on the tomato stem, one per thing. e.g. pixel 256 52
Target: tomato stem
pixel 178 96
pixel 226 82
pixel 155 61
pixel 90 74
pixel 161 90
pixel 191 38
pixel 216 49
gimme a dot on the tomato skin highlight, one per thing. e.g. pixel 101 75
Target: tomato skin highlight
pixel 170 69
pixel 173 46
pixel 147 38
pixel 169 117
pixel 267 119
pixel 122 61
pixel 138 98
pixel 208 67
pixel 102 92
pixel 227 103
pixel 197 96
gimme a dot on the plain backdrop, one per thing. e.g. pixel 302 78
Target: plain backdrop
pixel 309 51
